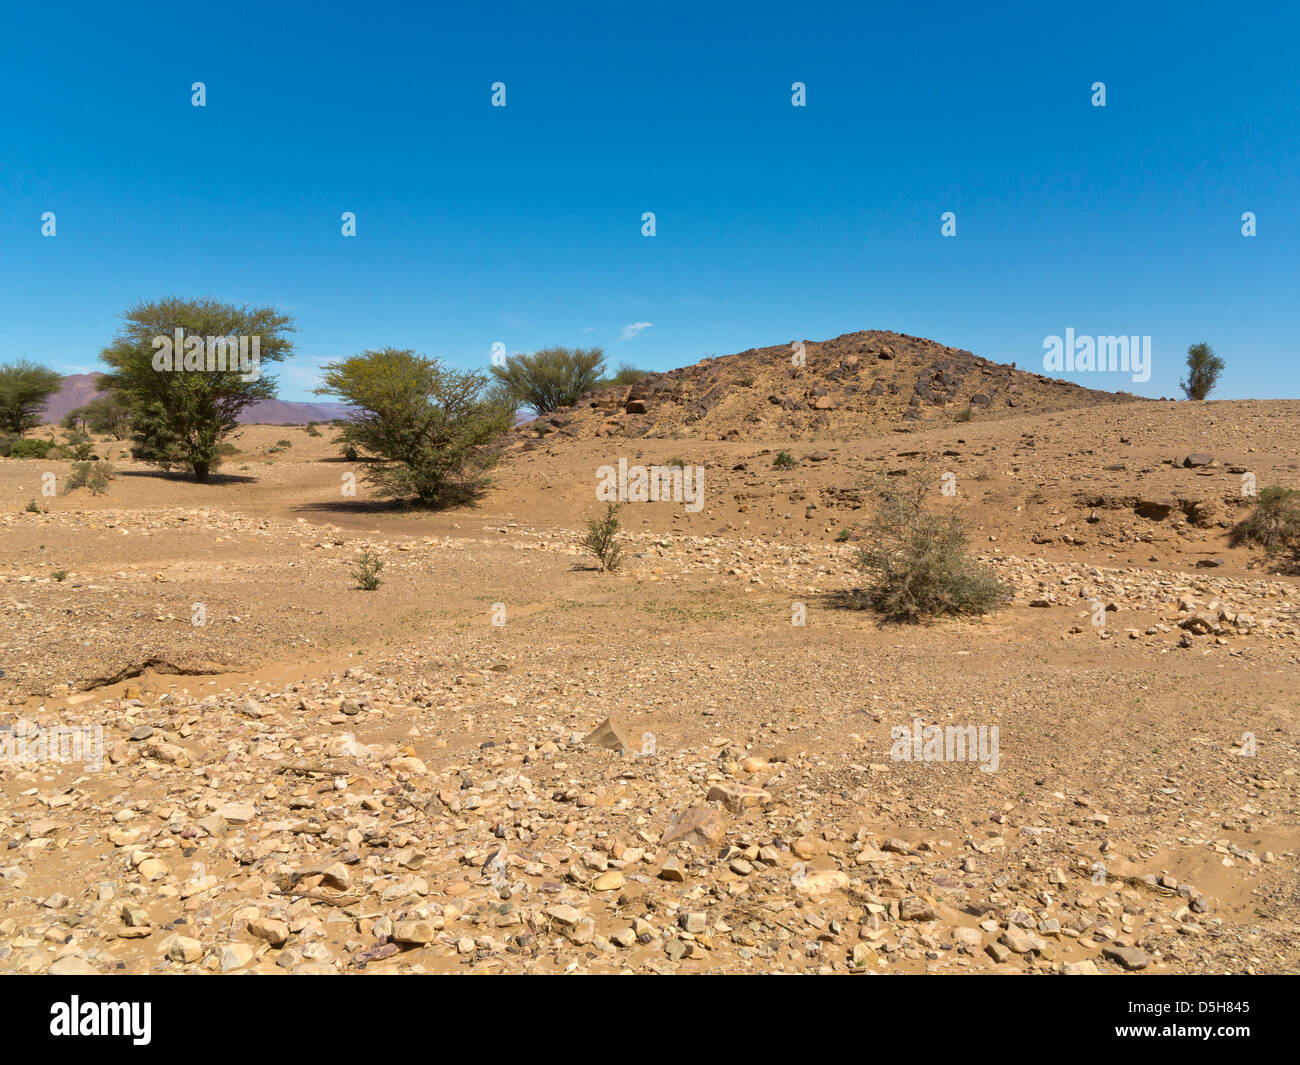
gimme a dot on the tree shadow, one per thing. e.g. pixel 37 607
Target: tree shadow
pixel 214 479
pixel 363 506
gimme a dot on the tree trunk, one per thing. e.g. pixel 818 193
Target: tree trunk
pixel 201 472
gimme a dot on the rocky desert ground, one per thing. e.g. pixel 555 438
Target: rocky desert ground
pixel 505 760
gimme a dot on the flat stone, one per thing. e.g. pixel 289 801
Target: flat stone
pixel 1131 958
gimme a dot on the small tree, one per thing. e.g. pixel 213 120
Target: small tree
pixel 602 538
pixel 184 406
pixel 551 378
pixel 1203 369
pixel 366 572
pixel 24 388
pixel 427 425
pixel 103 414
pixel 918 561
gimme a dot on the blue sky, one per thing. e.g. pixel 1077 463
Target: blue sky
pixel 522 225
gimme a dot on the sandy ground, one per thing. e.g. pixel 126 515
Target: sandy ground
pixel 323 779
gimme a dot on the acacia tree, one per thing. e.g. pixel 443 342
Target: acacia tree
pixel 426 426
pixel 24 388
pixel 103 414
pixel 551 378
pixel 1203 369
pixel 182 408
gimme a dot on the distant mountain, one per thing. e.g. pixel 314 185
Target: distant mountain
pixel 78 389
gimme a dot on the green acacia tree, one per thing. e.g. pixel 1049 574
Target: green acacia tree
pixel 103 414
pixel 24 388
pixel 179 417
pixel 1203 369
pixel 426 426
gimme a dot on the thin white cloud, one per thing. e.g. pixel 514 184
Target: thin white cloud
pixel 629 331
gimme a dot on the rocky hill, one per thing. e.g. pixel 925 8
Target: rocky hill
pixel 859 384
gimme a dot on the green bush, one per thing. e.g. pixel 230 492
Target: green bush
pixel 366 572
pixel 918 562
pixel 602 538
pixel 92 475
pixel 79 445
pixel 623 377
pixel 30 449
pixel 429 427
pixel 551 378
pixel 785 461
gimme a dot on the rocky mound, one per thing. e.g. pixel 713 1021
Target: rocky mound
pixel 859 384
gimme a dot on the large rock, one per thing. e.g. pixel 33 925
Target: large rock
pixel 704 825
pixel 738 797
pixel 609 734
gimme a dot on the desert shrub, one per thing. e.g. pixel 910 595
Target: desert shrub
pixel 551 378
pixel 1273 523
pixel 312 431
pixel 7 441
pixel 79 445
pixel 366 572
pixel 428 426
pixel 283 443
pixel 680 463
pixel 226 449
pixel 963 415
pixel 843 535
pixel 59 575
pixel 918 562
pixel 602 538
pixel 33 507
pixel 785 461
pixel 350 453
pixel 625 375
pixel 30 449
pixel 92 475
